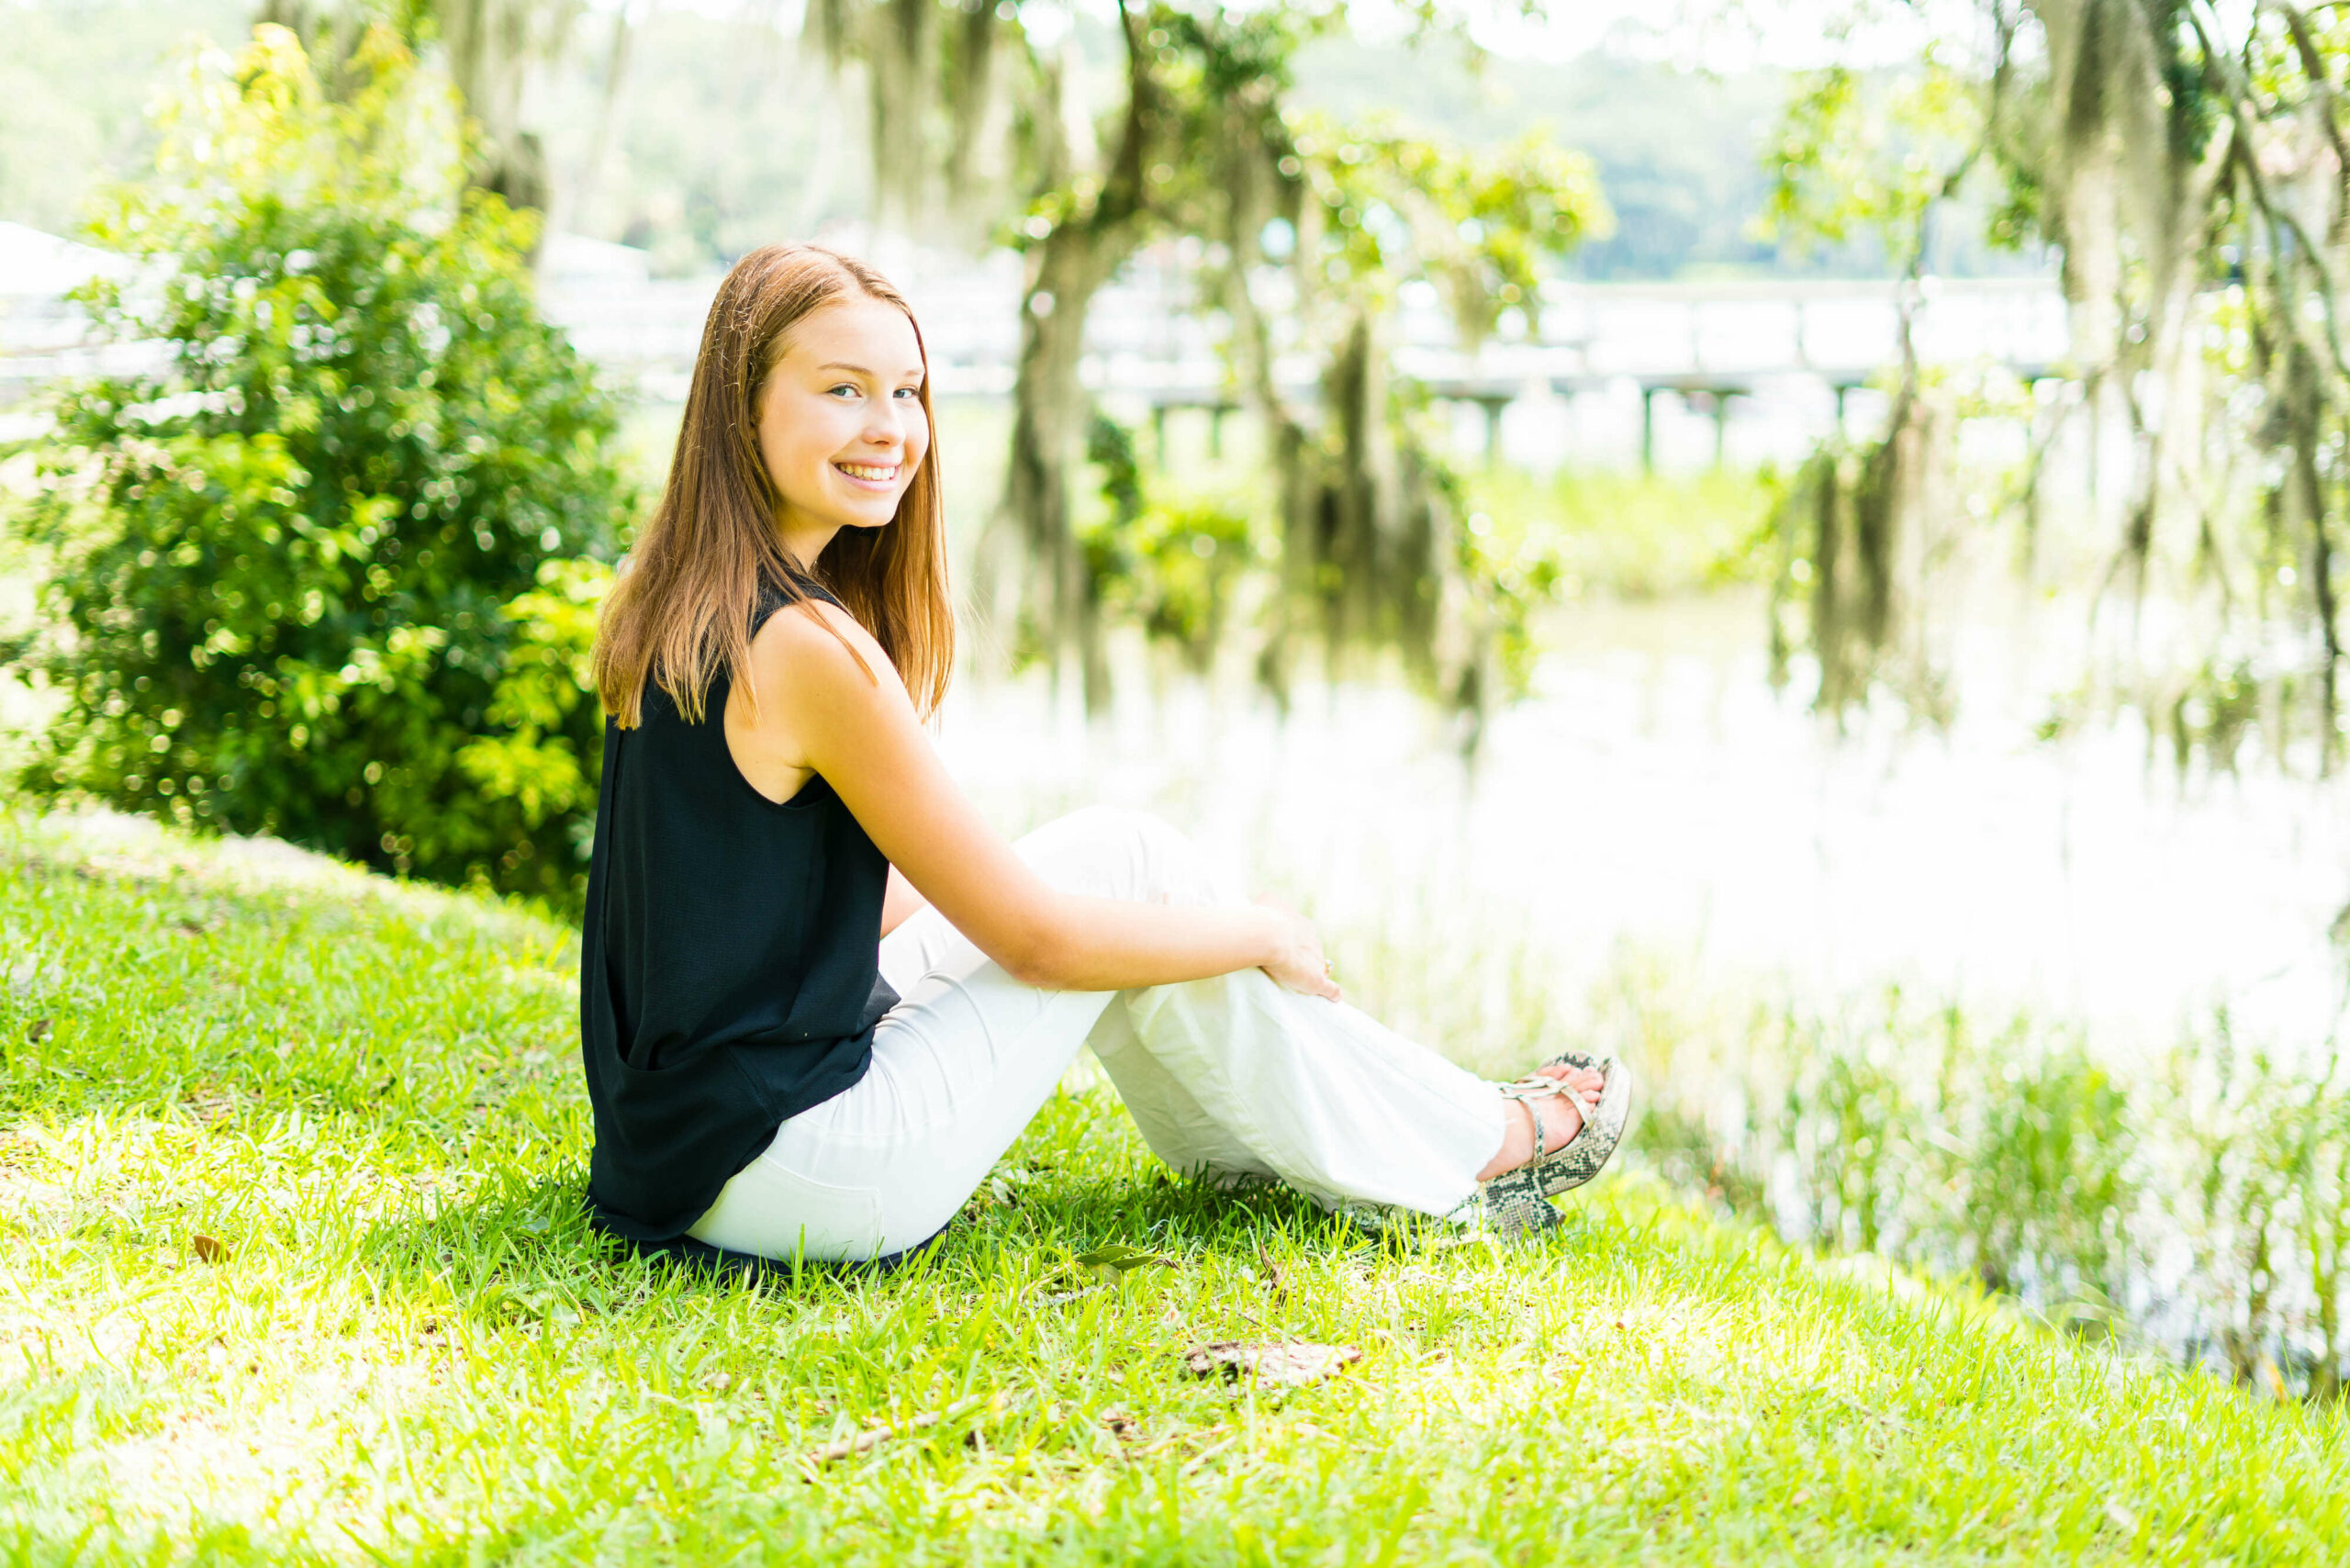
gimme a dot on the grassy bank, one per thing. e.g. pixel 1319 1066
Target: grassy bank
pixel 2196 1194
pixel 289 1164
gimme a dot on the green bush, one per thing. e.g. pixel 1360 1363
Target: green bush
pixel 320 572
pixel 1172 566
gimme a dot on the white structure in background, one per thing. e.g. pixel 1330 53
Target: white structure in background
pixel 1669 373
pixel 1672 374
pixel 43 334
pixel 649 328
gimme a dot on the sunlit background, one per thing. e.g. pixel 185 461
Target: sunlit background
pixel 1738 532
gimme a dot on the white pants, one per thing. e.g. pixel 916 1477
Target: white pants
pixel 1231 1076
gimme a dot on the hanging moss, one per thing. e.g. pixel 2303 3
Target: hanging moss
pixel 1856 532
pixel 938 80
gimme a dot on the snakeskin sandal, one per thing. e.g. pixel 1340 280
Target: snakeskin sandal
pixel 1518 1202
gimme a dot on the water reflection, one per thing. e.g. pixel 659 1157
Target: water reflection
pixel 1656 792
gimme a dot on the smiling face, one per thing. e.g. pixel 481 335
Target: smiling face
pixel 842 426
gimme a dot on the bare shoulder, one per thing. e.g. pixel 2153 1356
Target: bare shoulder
pixel 817 648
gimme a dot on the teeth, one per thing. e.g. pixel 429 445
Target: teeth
pixel 867 471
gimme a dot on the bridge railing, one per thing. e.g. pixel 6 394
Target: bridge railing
pixel 1148 343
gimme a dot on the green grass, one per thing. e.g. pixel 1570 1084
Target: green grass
pixel 406 1346
pixel 1634 536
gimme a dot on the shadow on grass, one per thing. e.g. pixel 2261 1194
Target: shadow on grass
pixel 524 1250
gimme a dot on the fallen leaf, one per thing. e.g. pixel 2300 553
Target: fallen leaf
pixel 1062 1298
pixel 1120 1258
pixel 870 1439
pixel 540 1306
pixel 211 1105
pixel 1107 1265
pixel 209 1248
pixel 38 1032
pixel 1295 1362
pixel 874 1437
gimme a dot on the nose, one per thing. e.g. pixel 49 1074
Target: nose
pixel 884 423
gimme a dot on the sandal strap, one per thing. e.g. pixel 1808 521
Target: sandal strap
pixel 1517 1202
pixel 1525 1090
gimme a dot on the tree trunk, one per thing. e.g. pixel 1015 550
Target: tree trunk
pixel 491 44
pixel 1030 573
pixel 571 210
pixel 1033 534
pixel 330 34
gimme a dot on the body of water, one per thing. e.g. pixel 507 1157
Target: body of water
pixel 1656 795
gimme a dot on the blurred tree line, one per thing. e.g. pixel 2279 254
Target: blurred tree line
pixel 722 131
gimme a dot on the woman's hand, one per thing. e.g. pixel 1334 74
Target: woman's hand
pixel 1297 961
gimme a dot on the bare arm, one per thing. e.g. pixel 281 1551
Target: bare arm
pixel 900 901
pixel 860 733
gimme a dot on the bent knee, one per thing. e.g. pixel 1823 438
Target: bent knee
pixel 1114 823
pixel 1110 828
pixel 1121 852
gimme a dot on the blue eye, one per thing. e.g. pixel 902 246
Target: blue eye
pixel 844 386
pixel 914 392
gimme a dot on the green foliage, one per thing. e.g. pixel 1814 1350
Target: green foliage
pixel 1509 570
pixel 314 568
pixel 1376 543
pixel 1853 157
pixel 1170 567
pixel 2262 1177
pixel 1480 223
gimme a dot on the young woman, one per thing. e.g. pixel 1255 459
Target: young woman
pixel 819 996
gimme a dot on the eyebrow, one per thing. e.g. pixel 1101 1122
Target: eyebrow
pixel 844 364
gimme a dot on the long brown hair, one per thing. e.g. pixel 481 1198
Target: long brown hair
pixel 682 608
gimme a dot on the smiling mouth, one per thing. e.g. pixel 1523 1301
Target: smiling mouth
pixel 869 473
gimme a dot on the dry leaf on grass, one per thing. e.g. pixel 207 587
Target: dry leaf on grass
pixel 209 1248
pixel 874 1437
pixel 1295 1362
pixel 871 1437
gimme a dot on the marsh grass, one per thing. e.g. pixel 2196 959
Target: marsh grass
pixel 296 1271
pixel 2199 1200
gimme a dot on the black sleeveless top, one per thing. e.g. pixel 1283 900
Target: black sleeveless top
pixel 728 972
